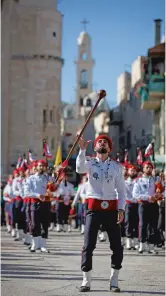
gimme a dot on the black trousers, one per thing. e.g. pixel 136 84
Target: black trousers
pixel 109 221
pixel 161 220
pixel 3 222
pixel 62 213
pixel 131 220
pixel 40 212
pixel 28 216
pixel 148 219
pixel 20 214
pixel 13 215
pixel 53 217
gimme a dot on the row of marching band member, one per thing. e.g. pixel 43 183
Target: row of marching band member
pixel 29 197
pixel 33 201
pixel 144 223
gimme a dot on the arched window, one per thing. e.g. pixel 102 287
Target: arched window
pixel 52 144
pixel 88 102
pixel 81 102
pixel 84 79
pixel 84 56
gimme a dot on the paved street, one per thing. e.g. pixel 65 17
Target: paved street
pixel 58 273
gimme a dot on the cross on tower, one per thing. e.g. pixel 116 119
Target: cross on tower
pixel 84 22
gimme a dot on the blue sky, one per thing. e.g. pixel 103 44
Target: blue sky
pixel 120 30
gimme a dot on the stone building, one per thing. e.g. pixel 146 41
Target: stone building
pixel 130 127
pixel 31 77
pixel 150 90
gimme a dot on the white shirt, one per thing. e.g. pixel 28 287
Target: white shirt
pixel 105 179
pixel 8 192
pixel 17 186
pixel 81 192
pixel 129 190
pixel 144 188
pixel 66 191
pixel 36 185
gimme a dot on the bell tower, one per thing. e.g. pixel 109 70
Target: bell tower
pixel 84 66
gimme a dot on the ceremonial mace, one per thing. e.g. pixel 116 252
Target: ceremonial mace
pixel 101 95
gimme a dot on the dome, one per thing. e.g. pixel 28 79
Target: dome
pixel 83 37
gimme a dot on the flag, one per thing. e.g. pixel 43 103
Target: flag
pixel 126 162
pixel 149 150
pixel 46 150
pixel 31 156
pixel 139 157
pixel 58 159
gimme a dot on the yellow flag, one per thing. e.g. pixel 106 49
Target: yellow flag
pixel 58 158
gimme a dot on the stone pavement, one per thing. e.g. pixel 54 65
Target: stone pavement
pixel 58 273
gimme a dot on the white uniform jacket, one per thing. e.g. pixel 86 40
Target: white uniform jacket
pixel 129 190
pixel 105 179
pixel 144 188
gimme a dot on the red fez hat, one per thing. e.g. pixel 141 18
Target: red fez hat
pixel 148 163
pixel 132 166
pixel 15 172
pixel 42 161
pixel 105 137
pixel 33 164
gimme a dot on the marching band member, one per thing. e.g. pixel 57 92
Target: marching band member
pixel 7 196
pixel 17 187
pixel 64 194
pixel 144 192
pixel 80 199
pixel 12 206
pixel 26 209
pixel 131 210
pixel 40 207
pixel 104 176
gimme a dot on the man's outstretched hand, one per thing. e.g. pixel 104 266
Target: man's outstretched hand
pixel 82 143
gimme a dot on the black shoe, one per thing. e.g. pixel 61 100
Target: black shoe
pixel 140 252
pixel 153 252
pixel 84 289
pixel 134 248
pixel 32 251
pixel 27 244
pixel 114 289
pixel 16 239
pixel 102 240
pixel 128 249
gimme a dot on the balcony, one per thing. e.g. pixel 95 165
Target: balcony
pixel 153 92
pixel 115 117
